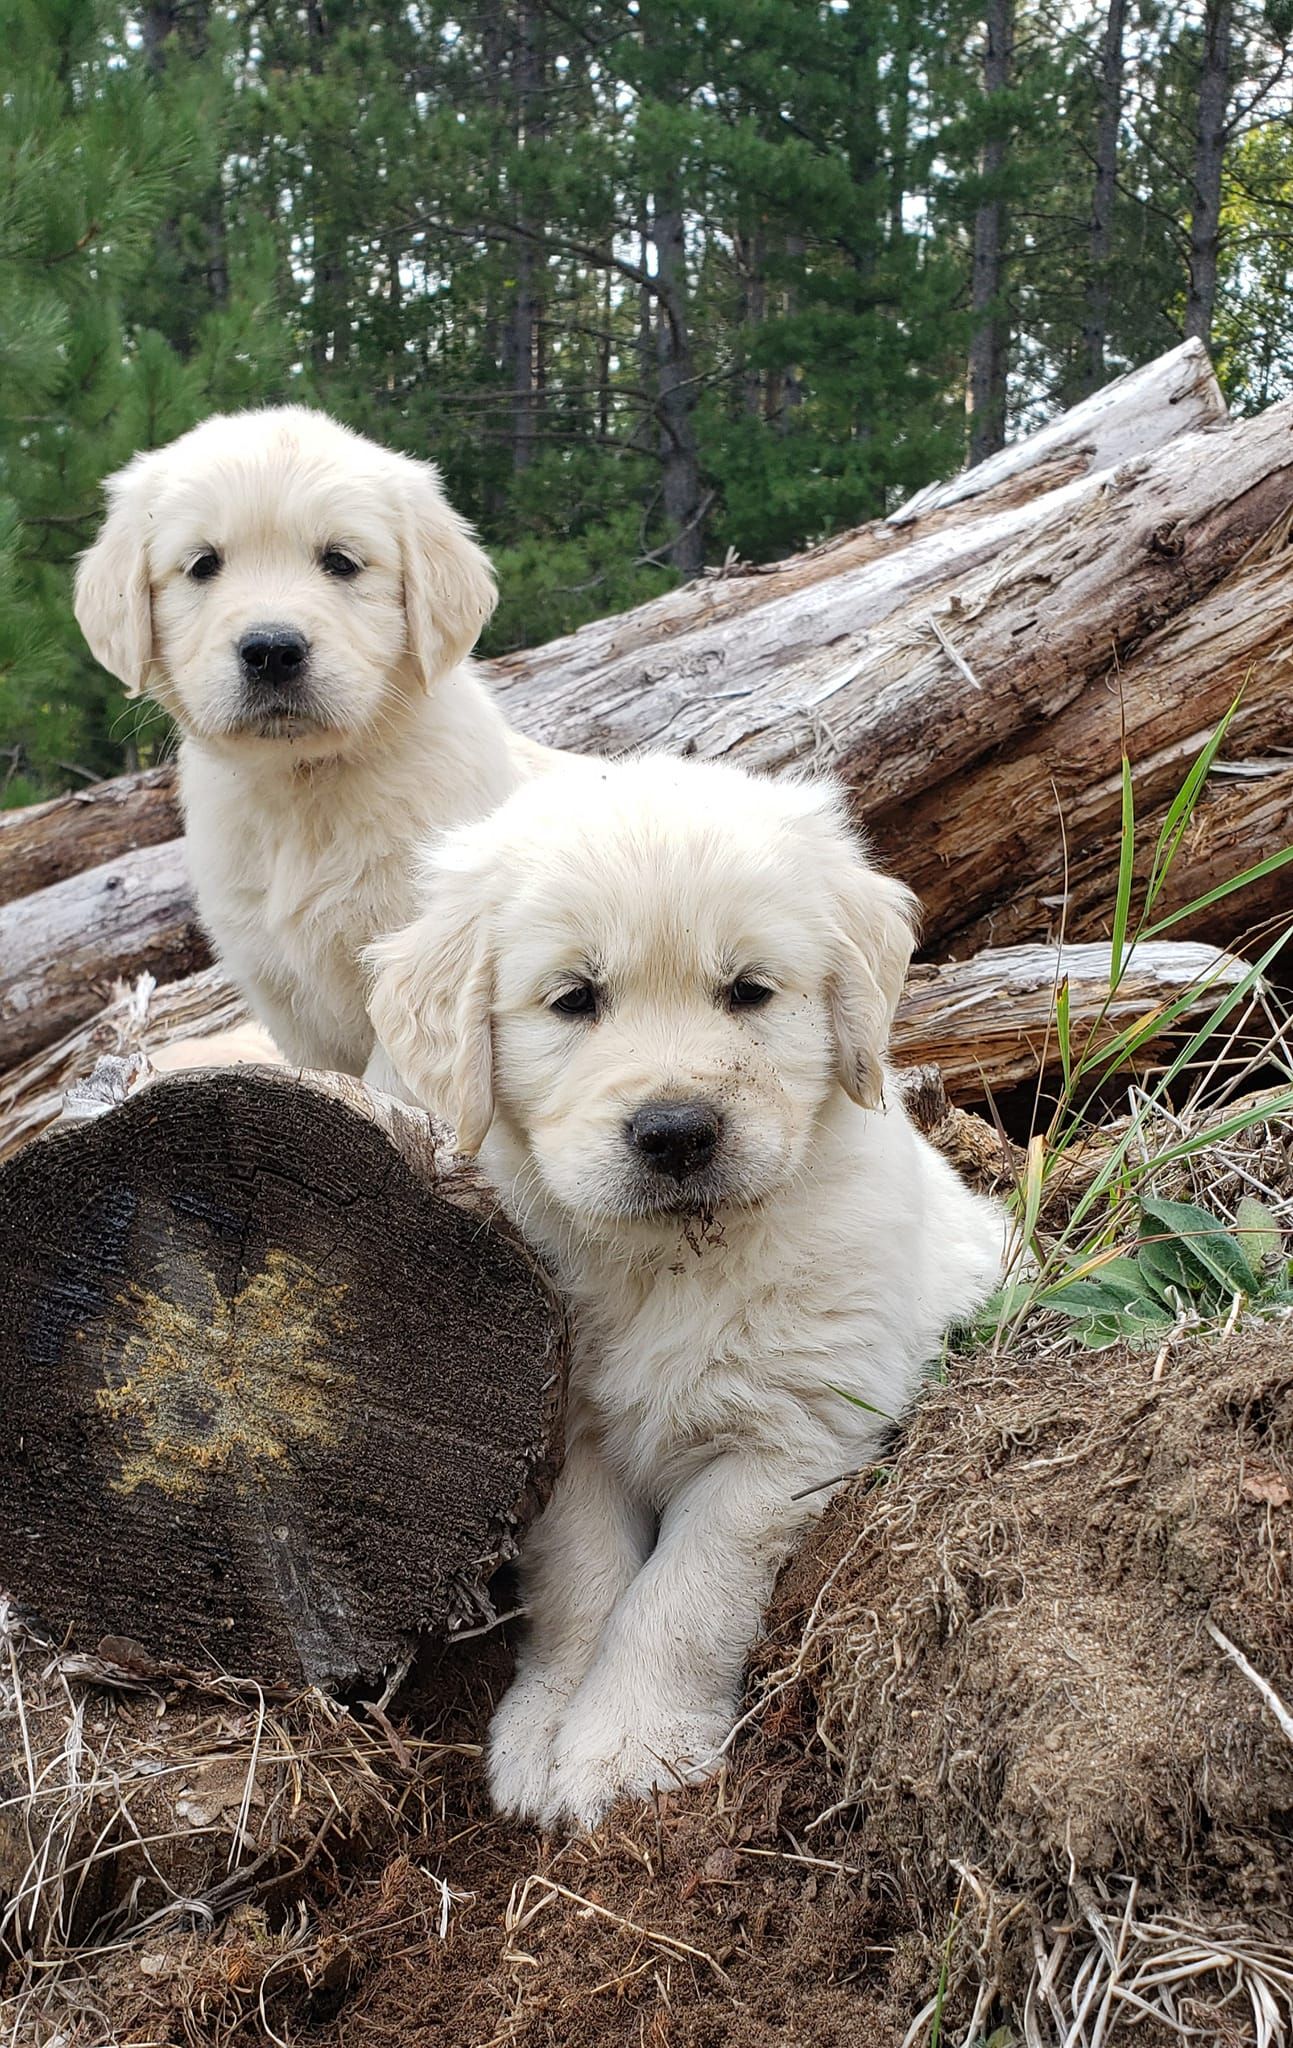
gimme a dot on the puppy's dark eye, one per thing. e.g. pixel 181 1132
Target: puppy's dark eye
pixel 748 994
pixel 207 565
pixel 579 1001
pixel 334 563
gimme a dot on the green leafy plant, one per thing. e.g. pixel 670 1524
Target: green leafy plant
pixel 1184 1261
pixel 1186 1264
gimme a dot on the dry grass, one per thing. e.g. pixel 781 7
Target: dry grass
pixel 136 1800
pixel 1015 1767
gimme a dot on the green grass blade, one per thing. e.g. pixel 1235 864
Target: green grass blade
pixel 1063 1033
pixel 1126 862
pixel 1181 808
pixel 856 1401
pixel 1269 866
pixel 1117 1160
pixel 1119 1050
pixel 1216 1134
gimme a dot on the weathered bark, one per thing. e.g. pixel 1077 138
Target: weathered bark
pixel 978 1018
pixel 1243 817
pixel 985 389
pixel 258 1328
pixel 62 949
pixel 989 1022
pixel 1055 790
pixel 1175 394
pixel 1205 179
pixel 139 1021
pixel 902 674
pixel 1104 188
pixel 947 664
pixel 44 843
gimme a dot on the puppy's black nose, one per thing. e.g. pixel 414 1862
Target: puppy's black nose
pixel 273 654
pixel 676 1137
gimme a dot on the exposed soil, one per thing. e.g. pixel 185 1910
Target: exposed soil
pixel 991 1671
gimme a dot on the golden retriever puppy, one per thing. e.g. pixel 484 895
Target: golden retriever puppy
pixel 657 995
pixel 302 602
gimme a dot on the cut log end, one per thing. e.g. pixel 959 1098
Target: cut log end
pixel 272 1403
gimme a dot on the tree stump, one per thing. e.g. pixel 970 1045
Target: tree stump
pixel 279 1391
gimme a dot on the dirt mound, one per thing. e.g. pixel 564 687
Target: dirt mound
pixel 1005 1772
pixel 1053 1650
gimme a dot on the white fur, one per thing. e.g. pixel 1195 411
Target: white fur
pixel 300 832
pixel 716 1349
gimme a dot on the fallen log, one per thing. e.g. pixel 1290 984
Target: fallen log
pixel 279 1392
pixel 1003 831
pixel 142 1017
pixel 44 843
pixel 986 1022
pixel 901 674
pixel 1173 395
pixel 953 662
pixel 61 949
pixel 1131 417
pixel 1245 813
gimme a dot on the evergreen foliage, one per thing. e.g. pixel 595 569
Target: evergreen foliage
pixel 653 286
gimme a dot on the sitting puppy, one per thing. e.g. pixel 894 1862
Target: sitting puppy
pixel 657 996
pixel 302 602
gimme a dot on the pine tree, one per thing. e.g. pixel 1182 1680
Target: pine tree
pixel 93 159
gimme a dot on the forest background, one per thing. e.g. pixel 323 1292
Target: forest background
pixel 657 288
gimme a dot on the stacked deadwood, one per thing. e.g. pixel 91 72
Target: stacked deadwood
pixel 968 666
pixel 276 1394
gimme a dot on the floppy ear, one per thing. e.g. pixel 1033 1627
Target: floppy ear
pixel 430 1005
pixel 113 598
pixel 449 588
pixel 875 938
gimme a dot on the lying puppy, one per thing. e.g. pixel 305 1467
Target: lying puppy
pixel 657 995
pixel 302 602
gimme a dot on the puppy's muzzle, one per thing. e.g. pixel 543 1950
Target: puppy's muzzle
pixel 678 1139
pixel 274 659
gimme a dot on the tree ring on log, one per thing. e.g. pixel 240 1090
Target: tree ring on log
pixel 272 1403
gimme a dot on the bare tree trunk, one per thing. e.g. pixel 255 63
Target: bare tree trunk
pixel 1209 156
pixel 521 335
pixel 985 392
pixel 863 133
pixel 605 350
pixel 165 25
pixel 899 86
pixel 754 311
pixel 330 342
pixel 676 385
pixel 675 380
pixel 1095 323
pixel 791 385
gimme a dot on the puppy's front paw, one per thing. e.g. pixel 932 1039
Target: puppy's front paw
pixel 610 1748
pixel 518 1759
